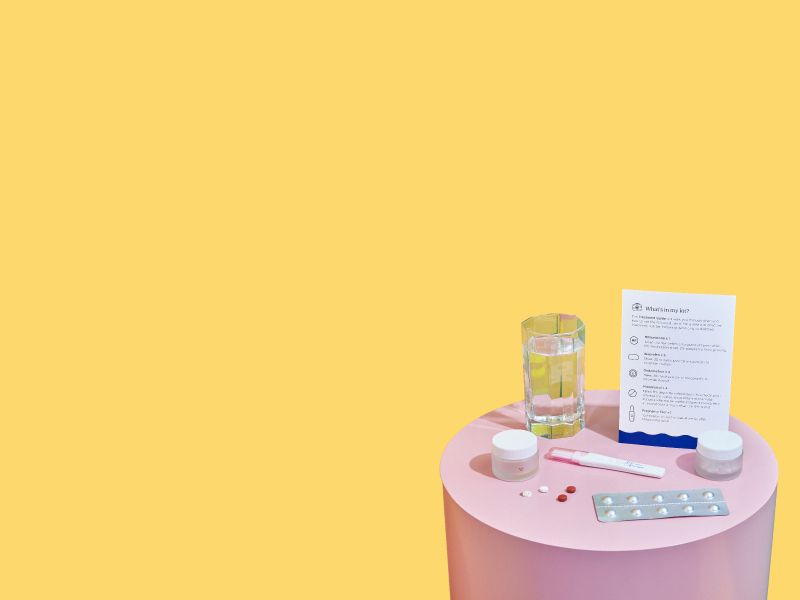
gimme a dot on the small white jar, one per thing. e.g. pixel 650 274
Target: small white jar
pixel 515 455
pixel 719 455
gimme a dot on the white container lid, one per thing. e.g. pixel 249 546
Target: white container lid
pixel 719 444
pixel 514 444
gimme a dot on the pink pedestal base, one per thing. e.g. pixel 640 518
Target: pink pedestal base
pixel 487 564
pixel 501 546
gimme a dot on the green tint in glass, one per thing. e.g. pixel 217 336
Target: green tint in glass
pixel 553 351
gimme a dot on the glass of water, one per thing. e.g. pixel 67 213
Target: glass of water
pixel 553 363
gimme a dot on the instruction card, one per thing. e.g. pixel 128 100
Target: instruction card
pixel 675 376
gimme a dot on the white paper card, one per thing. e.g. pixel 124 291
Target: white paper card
pixel 675 376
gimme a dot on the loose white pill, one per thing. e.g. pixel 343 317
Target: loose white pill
pixel 543 489
pixel 527 493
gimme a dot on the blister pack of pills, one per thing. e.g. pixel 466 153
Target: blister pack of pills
pixel 641 506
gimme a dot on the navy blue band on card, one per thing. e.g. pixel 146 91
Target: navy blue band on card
pixel 658 439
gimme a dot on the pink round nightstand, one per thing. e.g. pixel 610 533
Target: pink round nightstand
pixel 505 546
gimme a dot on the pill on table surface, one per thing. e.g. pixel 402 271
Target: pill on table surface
pixel 526 493
pixel 544 489
pixel 571 489
pixel 562 498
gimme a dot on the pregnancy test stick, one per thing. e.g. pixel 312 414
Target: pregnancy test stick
pixel 591 459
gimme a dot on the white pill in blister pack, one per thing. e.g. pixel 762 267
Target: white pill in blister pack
pixel 641 506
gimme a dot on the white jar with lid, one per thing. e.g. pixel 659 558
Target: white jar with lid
pixel 719 455
pixel 515 455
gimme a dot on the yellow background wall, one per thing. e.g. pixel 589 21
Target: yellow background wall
pixel 260 261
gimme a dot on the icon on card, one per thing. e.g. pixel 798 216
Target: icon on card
pixel 631 414
pixel 633 373
pixel 632 393
pixel 634 340
pixel 637 306
pixel 633 357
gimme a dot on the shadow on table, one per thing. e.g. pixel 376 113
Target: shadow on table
pixel 686 462
pixel 482 464
pixel 603 420
pixel 505 417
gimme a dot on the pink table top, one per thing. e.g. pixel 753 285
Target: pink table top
pixel 466 473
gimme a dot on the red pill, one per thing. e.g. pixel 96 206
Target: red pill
pixel 562 498
pixel 571 489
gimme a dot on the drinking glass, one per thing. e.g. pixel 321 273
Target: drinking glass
pixel 553 355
